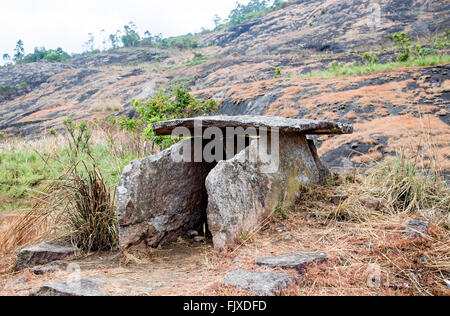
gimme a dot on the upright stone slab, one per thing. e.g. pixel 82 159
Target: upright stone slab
pixel 242 193
pixel 159 199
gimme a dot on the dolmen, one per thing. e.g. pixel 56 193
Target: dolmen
pixel 231 172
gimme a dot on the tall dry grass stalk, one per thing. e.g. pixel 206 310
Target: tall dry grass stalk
pixel 36 225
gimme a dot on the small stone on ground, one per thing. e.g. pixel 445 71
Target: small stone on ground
pixel 42 254
pixel 294 261
pixel 417 228
pixel 82 287
pixel 260 283
pixel 48 268
pixel 19 281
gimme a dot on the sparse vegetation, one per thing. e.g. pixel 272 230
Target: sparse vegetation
pixel 39 54
pixel 277 72
pixel 164 107
pixel 339 69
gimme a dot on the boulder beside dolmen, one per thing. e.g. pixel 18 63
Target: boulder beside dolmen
pixel 163 197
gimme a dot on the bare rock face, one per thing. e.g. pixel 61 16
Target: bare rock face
pixel 244 192
pixel 260 283
pixel 160 200
pixel 42 254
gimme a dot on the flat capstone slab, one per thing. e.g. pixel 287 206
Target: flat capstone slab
pixel 80 288
pixel 284 125
pixel 296 261
pixel 260 283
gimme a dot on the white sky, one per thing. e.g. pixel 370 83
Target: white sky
pixel 66 23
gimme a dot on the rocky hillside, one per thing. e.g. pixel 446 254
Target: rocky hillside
pixel 237 66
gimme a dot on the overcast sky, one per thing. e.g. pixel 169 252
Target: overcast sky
pixel 66 23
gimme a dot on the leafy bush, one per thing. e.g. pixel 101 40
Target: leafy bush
pixel 39 54
pixel 23 85
pixel 404 43
pixel 245 12
pixel 277 72
pixel 79 136
pixel 163 107
pixel 131 37
pixel 370 59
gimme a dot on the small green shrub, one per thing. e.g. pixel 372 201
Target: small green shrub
pixel 370 59
pixel 163 107
pixel 405 44
pixel 277 72
pixel 79 136
pixel 23 85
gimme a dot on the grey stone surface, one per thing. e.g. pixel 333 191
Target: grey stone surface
pixel 260 283
pixel 375 204
pixel 285 125
pixel 16 282
pixel 48 268
pixel 293 261
pixel 159 200
pixel 81 287
pixel 417 228
pixel 42 254
pixel 242 194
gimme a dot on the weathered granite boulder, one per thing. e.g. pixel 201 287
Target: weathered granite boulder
pixel 242 192
pixel 296 261
pixel 80 288
pixel 260 283
pixel 159 200
pixel 42 254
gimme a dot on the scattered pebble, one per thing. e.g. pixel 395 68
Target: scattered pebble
pixel 417 228
pixel 337 199
pixel 375 204
pixel 199 239
pixel 192 233
pixel 311 217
